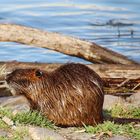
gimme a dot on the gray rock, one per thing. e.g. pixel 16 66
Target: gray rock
pixel 15 103
pixel 110 101
pixel 37 133
pixel 72 133
pixel 134 99
pixel 4 133
pixel 119 138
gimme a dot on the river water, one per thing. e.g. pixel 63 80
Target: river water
pixel 114 24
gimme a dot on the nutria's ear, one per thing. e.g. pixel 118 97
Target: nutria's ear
pixel 38 73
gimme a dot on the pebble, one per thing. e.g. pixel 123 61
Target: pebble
pixel 8 121
pixel 15 103
pixel 38 133
pixel 119 138
pixel 3 133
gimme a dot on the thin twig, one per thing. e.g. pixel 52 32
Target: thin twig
pixel 136 86
pixel 125 81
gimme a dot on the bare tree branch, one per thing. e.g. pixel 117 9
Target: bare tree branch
pixel 61 43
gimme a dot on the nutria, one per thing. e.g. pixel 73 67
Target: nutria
pixel 71 95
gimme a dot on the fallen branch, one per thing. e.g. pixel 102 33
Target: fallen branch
pixel 104 70
pixel 117 78
pixel 65 44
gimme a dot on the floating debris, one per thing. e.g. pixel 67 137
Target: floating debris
pixel 114 22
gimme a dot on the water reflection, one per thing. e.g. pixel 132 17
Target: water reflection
pixel 111 23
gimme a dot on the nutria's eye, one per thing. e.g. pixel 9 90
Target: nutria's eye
pixel 38 73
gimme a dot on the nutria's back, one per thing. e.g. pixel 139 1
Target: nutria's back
pixel 72 95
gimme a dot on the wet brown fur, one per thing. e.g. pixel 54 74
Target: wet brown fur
pixel 72 95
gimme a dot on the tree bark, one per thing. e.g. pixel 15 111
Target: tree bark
pixel 61 43
pixel 117 78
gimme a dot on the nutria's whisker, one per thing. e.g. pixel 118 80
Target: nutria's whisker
pixel 18 88
pixel 2 82
pixel 3 86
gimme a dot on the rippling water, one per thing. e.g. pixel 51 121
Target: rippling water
pixel 114 24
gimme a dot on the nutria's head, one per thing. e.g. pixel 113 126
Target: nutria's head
pixel 21 81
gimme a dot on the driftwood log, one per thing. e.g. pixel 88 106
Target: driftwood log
pixel 61 43
pixel 117 78
pixel 104 70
